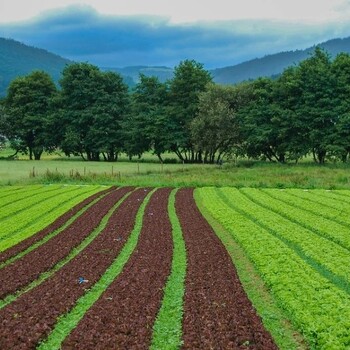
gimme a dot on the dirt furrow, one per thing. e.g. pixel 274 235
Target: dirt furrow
pixel 28 268
pixel 217 312
pixel 124 315
pixel 23 245
pixel 33 315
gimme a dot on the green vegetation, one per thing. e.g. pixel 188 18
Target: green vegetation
pixel 302 113
pixel 304 281
pixel 69 321
pixel 275 321
pixel 149 172
pixel 39 211
pixel 50 235
pixel 44 276
pixel 167 329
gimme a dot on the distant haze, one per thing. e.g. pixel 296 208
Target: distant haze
pixel 159 32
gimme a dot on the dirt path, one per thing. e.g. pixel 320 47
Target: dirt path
pixel 123 317
pixel 28 268
pixel 23 245
pixel 217 312
pixel 33 315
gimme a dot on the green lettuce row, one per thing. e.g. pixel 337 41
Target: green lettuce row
pixel 167 330
pixel 323 255
pixel 51 234
pixel 341 195
pixel 310 202
pixel 36 198
pixel 66 323
pixel 75 251
pixel 288 208
pixel 9 190
pixel 16 196
pixel 39 216
pixel 316 307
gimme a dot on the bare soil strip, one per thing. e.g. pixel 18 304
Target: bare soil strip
pixel 124 315
pixel 28 268
pixel 30 318
pixel 25 244
pixel 217 312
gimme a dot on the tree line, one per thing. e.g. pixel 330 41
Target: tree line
pixel 305 110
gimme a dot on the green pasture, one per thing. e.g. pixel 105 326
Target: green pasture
pixel 151 173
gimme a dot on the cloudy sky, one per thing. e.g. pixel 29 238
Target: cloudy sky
pixel 163 32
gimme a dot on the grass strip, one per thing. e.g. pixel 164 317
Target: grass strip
pixel 44 276
pixel 69 321
pixel 50 235
pixel 274 320
pixel 167 329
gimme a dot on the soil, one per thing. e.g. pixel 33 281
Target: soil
pixel 217 311
pixel 30 318
pixel 28 268
pixel 23 245
pixel 124 315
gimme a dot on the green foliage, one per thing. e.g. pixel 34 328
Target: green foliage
pixel 69 321
pixel 148 125
pixel 93 105
pixel 167 329
pixel 190 79
pixel 317 304
pixel 38 211
pixel 27 109
pixel 215 129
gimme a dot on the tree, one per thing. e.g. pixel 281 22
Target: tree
pixel 92 106
pixel 215 129
pixel 28 106
pixel 316 105
pixel 190 79
pixel 339 143
pixel 260 122
pixel 148 127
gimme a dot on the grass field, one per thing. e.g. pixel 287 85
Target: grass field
pixel 242 174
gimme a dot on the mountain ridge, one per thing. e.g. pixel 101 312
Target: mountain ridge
pixel 17 59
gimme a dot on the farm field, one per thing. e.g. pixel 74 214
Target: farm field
pixel 169 268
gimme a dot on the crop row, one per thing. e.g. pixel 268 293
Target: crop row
pixel 135 269
pixel 293 262
pixel 20 226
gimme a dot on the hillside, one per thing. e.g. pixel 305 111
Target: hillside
pixel 274 64
pixel 131 74
pixel 17 59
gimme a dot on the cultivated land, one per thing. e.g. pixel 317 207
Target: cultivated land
pixel 165 266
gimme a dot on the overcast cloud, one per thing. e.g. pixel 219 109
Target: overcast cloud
pixel 124 38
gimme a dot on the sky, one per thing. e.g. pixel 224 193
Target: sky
pixel 163 32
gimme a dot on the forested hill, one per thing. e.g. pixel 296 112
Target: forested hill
pixel 17 59
pixel 271 65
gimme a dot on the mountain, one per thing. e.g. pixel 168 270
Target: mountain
pixel 17 59
pixel 272 65
pixel 163 73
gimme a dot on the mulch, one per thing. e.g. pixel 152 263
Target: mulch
pixel 31 317
pixel 217 311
